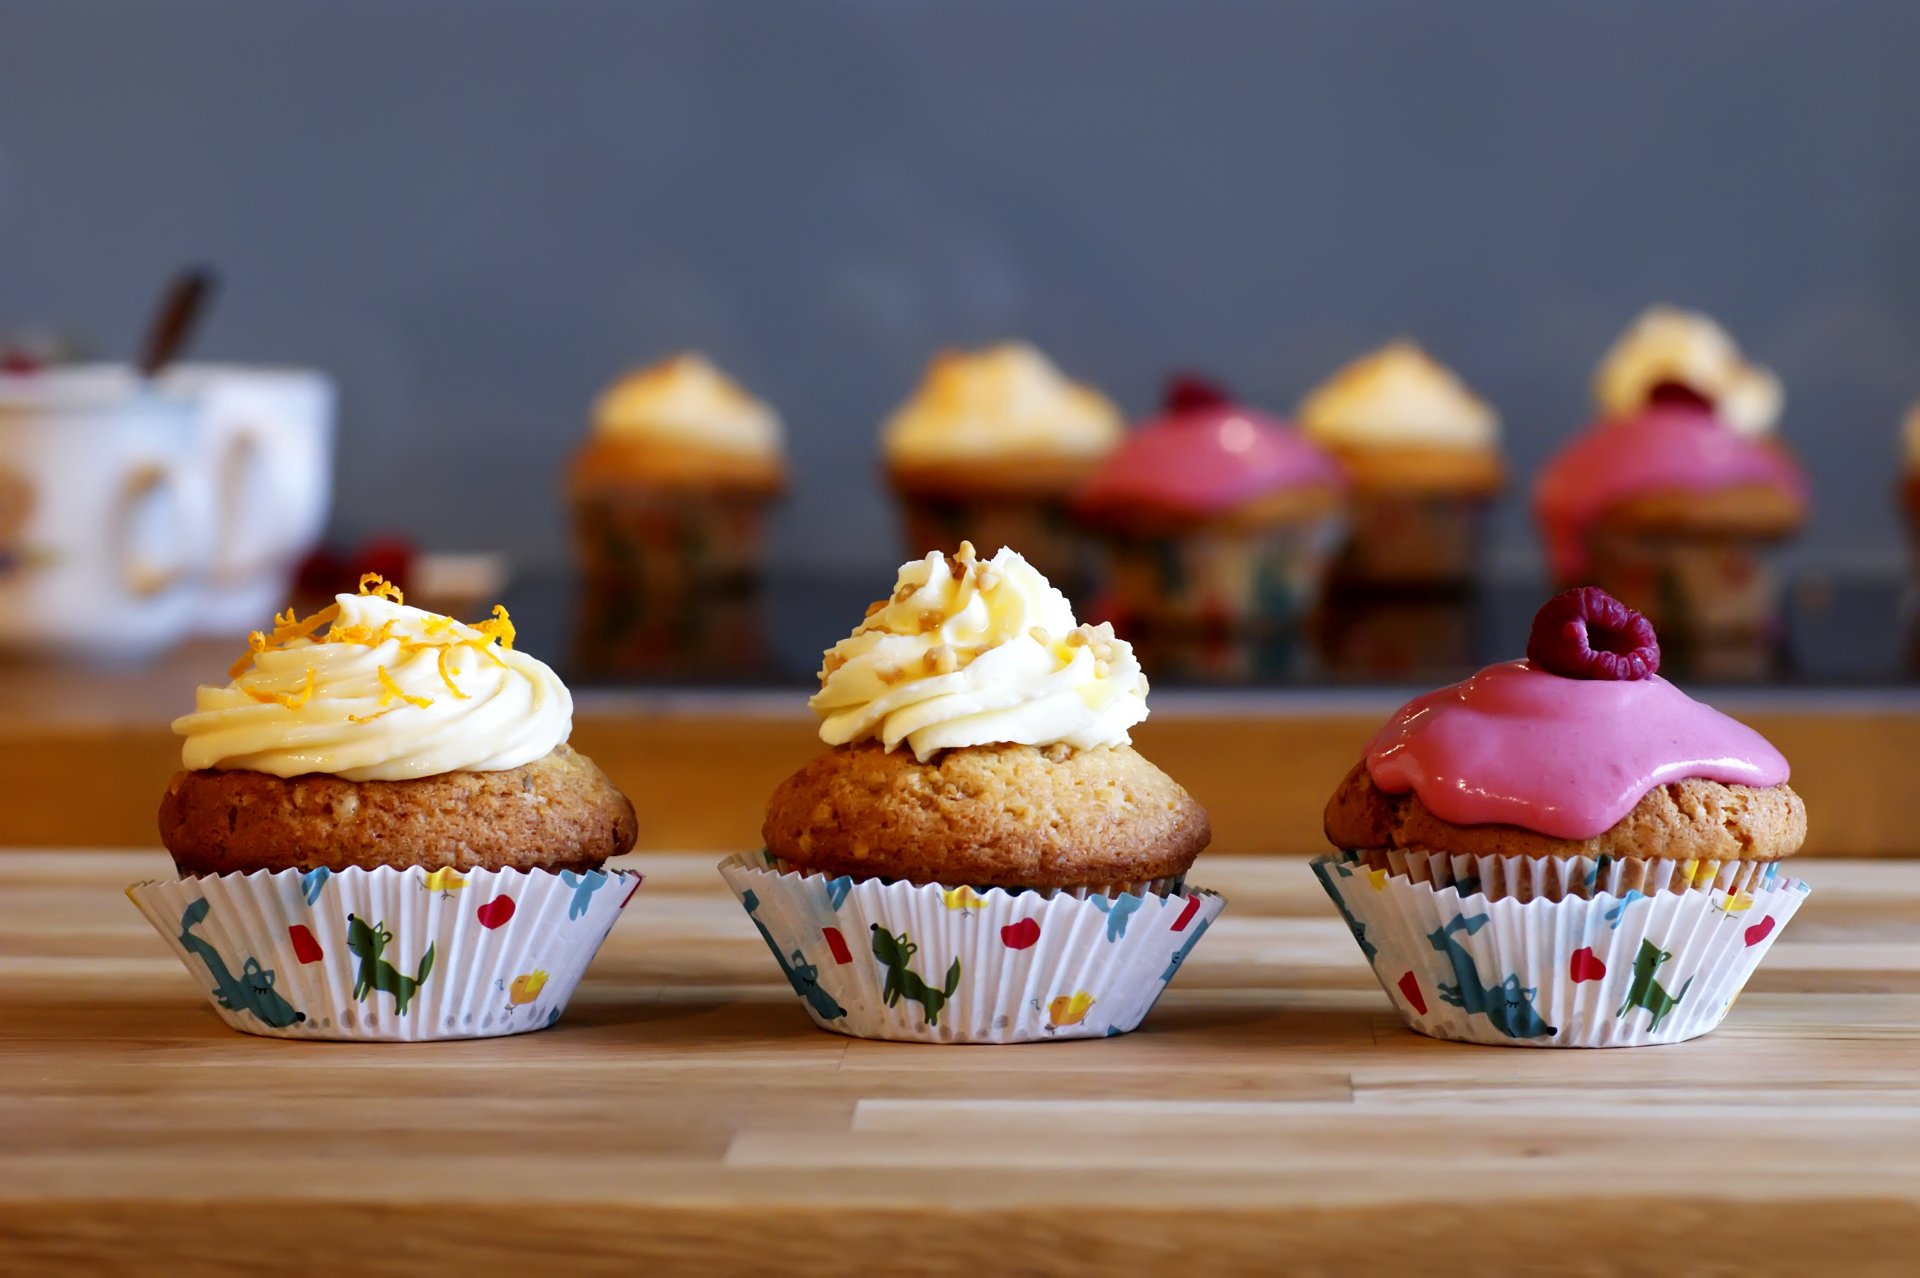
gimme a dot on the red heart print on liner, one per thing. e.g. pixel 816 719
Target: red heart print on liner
pixel 1410 986
pixel 1586 966
pixel 495 912
pixel 305 948
pixel 838 944
pixel 1760 931
pixel 1021 935
pixel 1186 915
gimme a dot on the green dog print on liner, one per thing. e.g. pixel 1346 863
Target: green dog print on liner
pixel 368 942
pixel 1646 992
pixel 251 991
pixel 896 954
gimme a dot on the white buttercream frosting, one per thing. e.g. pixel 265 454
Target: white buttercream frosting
pixel 1007 400
pixel 384 693
pixel 968 652
pixel 1398 395
pixel 686 401
pixel 1669 345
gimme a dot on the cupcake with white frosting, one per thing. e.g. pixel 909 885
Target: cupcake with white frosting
pixel 980 855
pixel 381 801
pixel 990 446
pixel 1422 453
pixel 669 497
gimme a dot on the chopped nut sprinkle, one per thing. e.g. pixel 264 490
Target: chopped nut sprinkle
pixel 941 659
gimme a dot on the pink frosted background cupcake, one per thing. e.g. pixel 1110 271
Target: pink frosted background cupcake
pixel 1215 515
pixel 1673 499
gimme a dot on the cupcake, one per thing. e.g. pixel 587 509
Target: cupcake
pixel 1423 455
pixel 981 856
pixel 1215 516
pixel 1673 498
pixel 669 496
pixel 381 832
pixel 1910 481
pixel 991 446
pixel 1565 851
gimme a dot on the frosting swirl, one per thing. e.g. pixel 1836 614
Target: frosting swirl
pixel 387 693
pixel 1398 395
pixel 1005 400
pixel 686 402
pixel 1666 346
pixel 967 653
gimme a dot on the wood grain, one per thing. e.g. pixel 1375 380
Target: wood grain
pixel 1272 1116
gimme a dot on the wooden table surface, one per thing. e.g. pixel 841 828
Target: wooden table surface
pixel 686 1117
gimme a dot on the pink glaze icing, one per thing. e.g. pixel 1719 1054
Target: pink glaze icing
pixel 1207 460
pixel 1566 758
pixel 1667 447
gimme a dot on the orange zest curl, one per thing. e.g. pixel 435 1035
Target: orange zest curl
pixel 373 583
pixel 436 634
pixel 291 700
pixel 391 691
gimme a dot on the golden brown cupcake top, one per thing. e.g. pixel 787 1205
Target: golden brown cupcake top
pixel 686 404
pixel 1398 397
pixel 1007 401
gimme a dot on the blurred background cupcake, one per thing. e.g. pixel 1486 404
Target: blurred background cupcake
pixel 1672 499
pixel 1215 516
pixel 669 495
pixel 1422 453
pixel 990 448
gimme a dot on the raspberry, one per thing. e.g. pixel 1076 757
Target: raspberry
pixel 1678 395
pixel 1189 392
pixel 1586 633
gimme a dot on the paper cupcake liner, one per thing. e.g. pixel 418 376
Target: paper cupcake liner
pixel 387 955
pixel 1523 878
pixel 934 964
pixel 1400 540
pixel 1608 971
pixel 1272 577
pixel 1158 887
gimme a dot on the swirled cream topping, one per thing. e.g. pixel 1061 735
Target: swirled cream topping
pixel 1007 400
pixel 687 402
pixel 968 652
pixel 1398 395
pixel 383 693
pixel 1910 437
pixel 1666 346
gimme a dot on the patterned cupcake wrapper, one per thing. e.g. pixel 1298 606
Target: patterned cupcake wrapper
pixel 1523 878
pixel 936 964
pixel 1172 886
pixel 1605 971
pixel 387 955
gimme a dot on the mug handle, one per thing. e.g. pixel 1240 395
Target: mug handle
pixel 246 553
pixel 143 576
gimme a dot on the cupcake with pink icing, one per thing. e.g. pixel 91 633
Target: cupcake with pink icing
pixel 1672 499
pixel 1215 517
pixel 1565 850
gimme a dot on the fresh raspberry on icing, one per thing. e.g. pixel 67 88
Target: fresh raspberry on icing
pixel 1189 392
pixel 1586 633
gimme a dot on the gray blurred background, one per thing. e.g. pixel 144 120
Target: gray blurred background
pixel 475 214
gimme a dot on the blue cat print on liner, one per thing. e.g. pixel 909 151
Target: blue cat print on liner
pixel 1354 925
pixel 584 886
pixel 1508 1006
pixel 252 991
pixel 802 975
pixel 1119 910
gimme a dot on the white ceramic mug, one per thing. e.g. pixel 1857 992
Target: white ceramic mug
pixel 266 438
pixel 106 514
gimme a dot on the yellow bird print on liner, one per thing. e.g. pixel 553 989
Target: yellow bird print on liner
pixel 1068 1009
pixel 964 899
pixel 523 989
pixel 446 881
